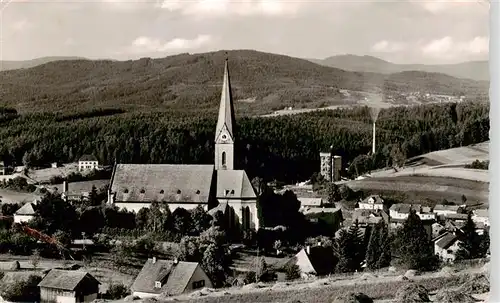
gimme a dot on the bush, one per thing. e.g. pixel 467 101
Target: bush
pixel 292 272
pixel 22 291
pixel 117 291
pixel 353 298
pixel 250 277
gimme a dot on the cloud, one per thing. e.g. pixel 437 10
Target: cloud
pixel 385 46
pixel 20 25
pixel 447 47
pixel 221 8
pixel 149 45
pixel 439 6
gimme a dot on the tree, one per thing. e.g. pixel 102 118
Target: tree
pixel 484 246
pixel 142 217
pixel 333 193
pixel 215 264
pixel 357 246
pixel 259 185
pixel 346 192
pixel 22 291
pixel 93 198
pixel 373 250
pixel 343 251
pixel 52 213
pixel 181 221
pixel 384 260
pixel 412 243
pixel 292 272
pixel 470 247
pixel 200 220
pixel 464 199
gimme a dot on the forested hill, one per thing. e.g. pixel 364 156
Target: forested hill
pixel 262 82
pixel 284 148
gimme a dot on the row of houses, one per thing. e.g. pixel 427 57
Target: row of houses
pixel 167 277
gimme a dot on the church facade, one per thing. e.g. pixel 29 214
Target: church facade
pixel 214 186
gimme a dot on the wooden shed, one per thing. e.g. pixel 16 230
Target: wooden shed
pixel 68 286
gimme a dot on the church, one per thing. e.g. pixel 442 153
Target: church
pixel 215 186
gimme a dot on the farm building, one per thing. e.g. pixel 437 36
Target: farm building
pixel 169 277
pixel 88 163
pixel 25 213
pixel 316 261
pixel 134 186
pixel 372 202
pixel 443 210
pixel 310 202
pixel 65 286
pixel 446 246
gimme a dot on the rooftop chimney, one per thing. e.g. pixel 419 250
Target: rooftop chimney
pixel 65 187
pixel 373 146
pixel 176 260
pixel 308 249
pixel 154 260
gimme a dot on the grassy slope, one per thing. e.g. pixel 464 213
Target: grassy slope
pixel 265 81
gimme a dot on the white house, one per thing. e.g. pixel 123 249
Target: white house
pixel 401 211
pixel 310 202
pixel 481 216
pixel 426 213
pixel 88 163
pixel 25 213
pixel 373 202
pixel 446 247
pixel 444 210
pixel 169 277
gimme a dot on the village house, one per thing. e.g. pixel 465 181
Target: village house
pixel 481 216
pixel 134 186
pixel 68 286
pixel 437 229
pixel 443 210
pixel 398 214
pixel 88 163
pixel 446 246
pixel 401 211
pixel 367 217
pixel 373 202
pixel 169 277
pixel 77 191
pixel 26 212
pixel 314 261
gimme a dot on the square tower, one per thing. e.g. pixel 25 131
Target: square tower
pixel 326 166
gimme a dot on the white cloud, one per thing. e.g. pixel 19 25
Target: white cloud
pixel 446 47
pixel 20 25
pixel 148 44
pixel 385 46
pixel 220 8
pixel 439 6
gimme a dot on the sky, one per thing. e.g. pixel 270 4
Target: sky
pixel 400 31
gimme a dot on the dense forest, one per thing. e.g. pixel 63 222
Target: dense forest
pixel 261 83
pixel 282 148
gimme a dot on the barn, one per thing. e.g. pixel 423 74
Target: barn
pixel 68 286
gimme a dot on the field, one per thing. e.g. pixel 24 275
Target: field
pixel 44 175
pixel 435 176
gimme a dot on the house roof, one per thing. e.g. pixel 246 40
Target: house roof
pixel 322 259
pixel 88 158
pixel 456 216
pixel 162 182
pixel 441 207
pixel 82 187
pixel 446 241
pixel 484 213
pixel 366 216
pixel 174 277
pixel 405 208
pixel 234 180
pixel 26 210
pixel 65 279
pixel 221 207
pixel 318 210
pixel 310 201
pixel 376 199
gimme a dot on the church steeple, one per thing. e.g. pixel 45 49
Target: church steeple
pixel 224 132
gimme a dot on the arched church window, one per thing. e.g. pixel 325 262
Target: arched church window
pixel 224 158
pixel 178 191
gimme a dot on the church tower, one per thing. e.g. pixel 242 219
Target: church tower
pixel 224 132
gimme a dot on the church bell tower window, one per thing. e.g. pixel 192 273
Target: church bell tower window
pixel 224 159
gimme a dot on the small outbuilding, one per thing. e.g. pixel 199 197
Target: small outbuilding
pixel 68 286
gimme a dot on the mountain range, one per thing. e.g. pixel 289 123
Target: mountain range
pixel 475 70
pixel 262 82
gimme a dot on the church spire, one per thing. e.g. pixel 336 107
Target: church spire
pixel 226 120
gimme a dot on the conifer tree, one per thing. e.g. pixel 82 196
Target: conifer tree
pixel 343 252
pixel 413 245
pixel 384 259
pixel 356 243
pixel 373 250
pixel 469 247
